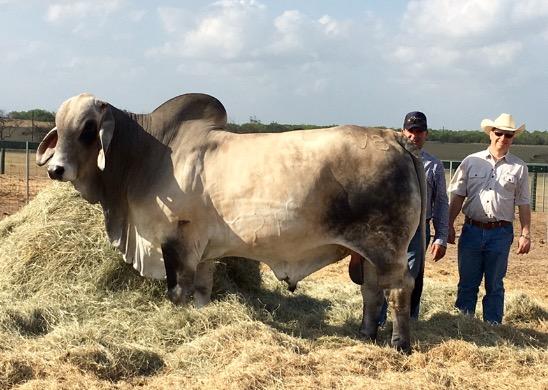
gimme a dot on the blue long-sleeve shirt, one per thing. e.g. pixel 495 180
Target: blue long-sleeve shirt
pixel 437 203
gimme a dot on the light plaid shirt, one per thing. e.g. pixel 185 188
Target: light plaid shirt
pixel 492 188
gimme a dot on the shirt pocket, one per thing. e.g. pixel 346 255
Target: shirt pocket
pixel 508 182
pixel 477 175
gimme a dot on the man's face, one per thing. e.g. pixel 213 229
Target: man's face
pixel 501 140
pixel 417 136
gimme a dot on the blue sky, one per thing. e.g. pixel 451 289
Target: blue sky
pixel 307 61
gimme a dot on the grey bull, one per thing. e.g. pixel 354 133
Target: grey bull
pixel 178 191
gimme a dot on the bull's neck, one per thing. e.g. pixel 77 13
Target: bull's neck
pixel 124 159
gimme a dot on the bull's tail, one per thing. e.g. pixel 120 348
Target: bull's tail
pixel 414 152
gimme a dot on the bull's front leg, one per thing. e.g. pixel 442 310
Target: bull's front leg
pixel 203 283
pixel 179 272
pixel 186 275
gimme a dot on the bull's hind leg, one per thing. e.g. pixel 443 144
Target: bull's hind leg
pixel 372 301
pixel 387 271
pixel 400 300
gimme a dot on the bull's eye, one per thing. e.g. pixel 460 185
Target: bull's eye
pixel 89 133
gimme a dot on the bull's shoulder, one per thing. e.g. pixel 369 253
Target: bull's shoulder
pixel 190 107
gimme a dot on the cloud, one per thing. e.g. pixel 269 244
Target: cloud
pixel 525 10
pixel 452 18
pixel 242 31
pixel 16 51
pixel 499 54
pixel 75 10
pixel 175 20
pixel 137 15
pixel 466 36
pixel 224 30
pixel 289 33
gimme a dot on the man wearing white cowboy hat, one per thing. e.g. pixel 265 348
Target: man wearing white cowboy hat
pixel 487 186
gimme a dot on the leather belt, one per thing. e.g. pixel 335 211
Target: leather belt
pixel 487 225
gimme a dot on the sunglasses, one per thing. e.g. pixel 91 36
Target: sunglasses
pixel 506 135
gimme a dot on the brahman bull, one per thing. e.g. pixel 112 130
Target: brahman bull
pixel 178 191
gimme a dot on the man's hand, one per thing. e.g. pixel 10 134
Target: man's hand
pixel 524 244
pixel 438 251
pixel 455 207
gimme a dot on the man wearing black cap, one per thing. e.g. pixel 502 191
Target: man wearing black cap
pixel 437 205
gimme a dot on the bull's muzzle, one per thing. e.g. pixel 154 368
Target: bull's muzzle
pixel 55 172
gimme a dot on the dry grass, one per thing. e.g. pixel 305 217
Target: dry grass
pixel 73 315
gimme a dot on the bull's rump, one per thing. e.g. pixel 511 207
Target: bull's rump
pixel 304 189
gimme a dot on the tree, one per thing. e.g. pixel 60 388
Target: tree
pixel 2 123
pixel 37 114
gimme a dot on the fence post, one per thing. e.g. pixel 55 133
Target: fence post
pixel 27 168
pixel 544 188
pixel 2 161
pixel 534 191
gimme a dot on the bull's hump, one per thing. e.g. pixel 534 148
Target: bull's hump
pixel 191 106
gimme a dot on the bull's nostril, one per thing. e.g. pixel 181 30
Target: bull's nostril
pixel 55 172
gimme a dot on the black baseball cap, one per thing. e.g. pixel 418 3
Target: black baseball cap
pixel 415 120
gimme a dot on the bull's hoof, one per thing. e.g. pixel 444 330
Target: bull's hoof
pixel 201 300
pixel 403 346
pixel 370 336
pixel 177 296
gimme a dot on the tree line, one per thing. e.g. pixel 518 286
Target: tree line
pixel 255 126
pixel 444 135
pixel 36 114
pixel 467 136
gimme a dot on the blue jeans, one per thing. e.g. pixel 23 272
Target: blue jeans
pixel 483 252
pixel 415 260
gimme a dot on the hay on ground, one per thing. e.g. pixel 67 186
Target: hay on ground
pixel 74 315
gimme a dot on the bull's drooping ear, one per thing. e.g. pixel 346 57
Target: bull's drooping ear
pixel 106 131
pixel 46 149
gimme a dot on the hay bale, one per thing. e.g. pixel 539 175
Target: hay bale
pixel 57 244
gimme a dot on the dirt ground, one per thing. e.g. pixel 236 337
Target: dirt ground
pixel 526 273
pixel 13 192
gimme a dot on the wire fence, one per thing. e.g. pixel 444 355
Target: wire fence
pixel 21 178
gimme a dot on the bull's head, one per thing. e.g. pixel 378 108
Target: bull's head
pixel 76 147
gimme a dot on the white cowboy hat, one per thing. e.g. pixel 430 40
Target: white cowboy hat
pixel 504 122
